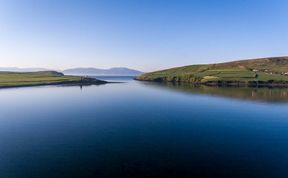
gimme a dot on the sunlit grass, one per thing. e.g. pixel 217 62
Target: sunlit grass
pixel 34 78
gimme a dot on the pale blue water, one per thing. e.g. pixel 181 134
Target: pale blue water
pixel 139 129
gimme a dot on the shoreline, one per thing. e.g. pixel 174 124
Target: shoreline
pixel 46 78
pixel 236 84
pixel 69 83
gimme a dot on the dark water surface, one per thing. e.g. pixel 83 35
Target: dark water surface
pixel 140 129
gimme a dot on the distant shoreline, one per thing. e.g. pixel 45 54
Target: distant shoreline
pixel 46 78
pixel 53 84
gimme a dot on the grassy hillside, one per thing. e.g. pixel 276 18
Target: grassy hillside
pixel 264 71
pixel 17 79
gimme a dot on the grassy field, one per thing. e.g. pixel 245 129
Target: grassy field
pixel 266 71
pixel 17 79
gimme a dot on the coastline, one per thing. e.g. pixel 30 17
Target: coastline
pixel 67 83
pixel 16 79
pixel 222 83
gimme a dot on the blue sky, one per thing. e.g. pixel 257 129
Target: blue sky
pixel 142 34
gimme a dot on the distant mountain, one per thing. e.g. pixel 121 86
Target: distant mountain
pixel 16 69
pixel 95 71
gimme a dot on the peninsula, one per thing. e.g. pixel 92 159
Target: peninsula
pixel 21 79
pixel 252 73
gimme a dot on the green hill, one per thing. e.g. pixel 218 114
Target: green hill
pixel 253 72
pixel 19 79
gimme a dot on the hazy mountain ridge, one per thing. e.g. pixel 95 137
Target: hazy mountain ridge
pixel 80 70
pixel 17 69
pixel 97 71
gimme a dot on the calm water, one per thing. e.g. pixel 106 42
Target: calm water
pixel 140 129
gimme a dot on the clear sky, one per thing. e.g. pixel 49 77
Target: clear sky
pixel 141 34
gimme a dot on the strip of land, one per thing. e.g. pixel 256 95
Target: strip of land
pixel 21 79
pixel 255 72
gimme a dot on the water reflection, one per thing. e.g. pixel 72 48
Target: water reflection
pixel 138 129
pixel 276 95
